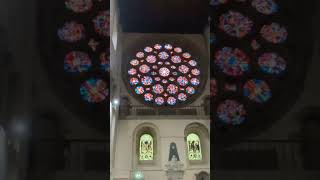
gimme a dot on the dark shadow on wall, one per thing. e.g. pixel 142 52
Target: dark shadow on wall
pixel 54 156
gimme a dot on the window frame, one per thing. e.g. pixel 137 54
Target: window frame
pixel 145 128
pixel 203 133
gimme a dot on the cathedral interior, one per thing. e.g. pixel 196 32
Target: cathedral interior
pixel 163 90
pixel 183 89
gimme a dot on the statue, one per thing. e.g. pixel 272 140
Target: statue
pixel 174 167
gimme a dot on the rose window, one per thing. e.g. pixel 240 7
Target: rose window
pixel 87 53
pixel 164 75
pixel 72 36
pixel 250 61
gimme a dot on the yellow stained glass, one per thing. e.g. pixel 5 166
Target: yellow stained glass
pixel 194 147
pixel 146 147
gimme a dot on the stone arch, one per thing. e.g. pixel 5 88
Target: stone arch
pixel 202 131
pixel 153 130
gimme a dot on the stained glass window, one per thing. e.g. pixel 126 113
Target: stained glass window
pixel 146 147
pixel 94 90
pixel 235 24
pixel 249 58
pixel 194 147
pixel 256 69
pixel 79 6
pixel 77 61
pixel 88 34
pixel 76 57
pixel 230 112
pixel 164 75
pixel 72 32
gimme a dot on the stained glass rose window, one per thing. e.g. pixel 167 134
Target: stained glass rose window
pixel 249 59
pixel 164 75
pixel 84 59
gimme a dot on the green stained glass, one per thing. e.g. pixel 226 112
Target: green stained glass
pixel 146 148
pixel 194 147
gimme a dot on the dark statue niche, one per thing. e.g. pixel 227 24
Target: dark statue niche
pixel 173 152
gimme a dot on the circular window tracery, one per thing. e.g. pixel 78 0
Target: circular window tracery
pixel 257 90
pixel 94 90
pixel 231 112
pixel 266 7
pixel 272 63
pixel 86 56
pixel 249 50
pixel 77 61
pixel 274 33
pixel 235 24
pixel 101 23
pixel 72 32
pixel 167 75
pixel 79 6
pixel 233 62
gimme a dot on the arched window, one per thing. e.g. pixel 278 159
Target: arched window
pixel 146 147
pixel 194 147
